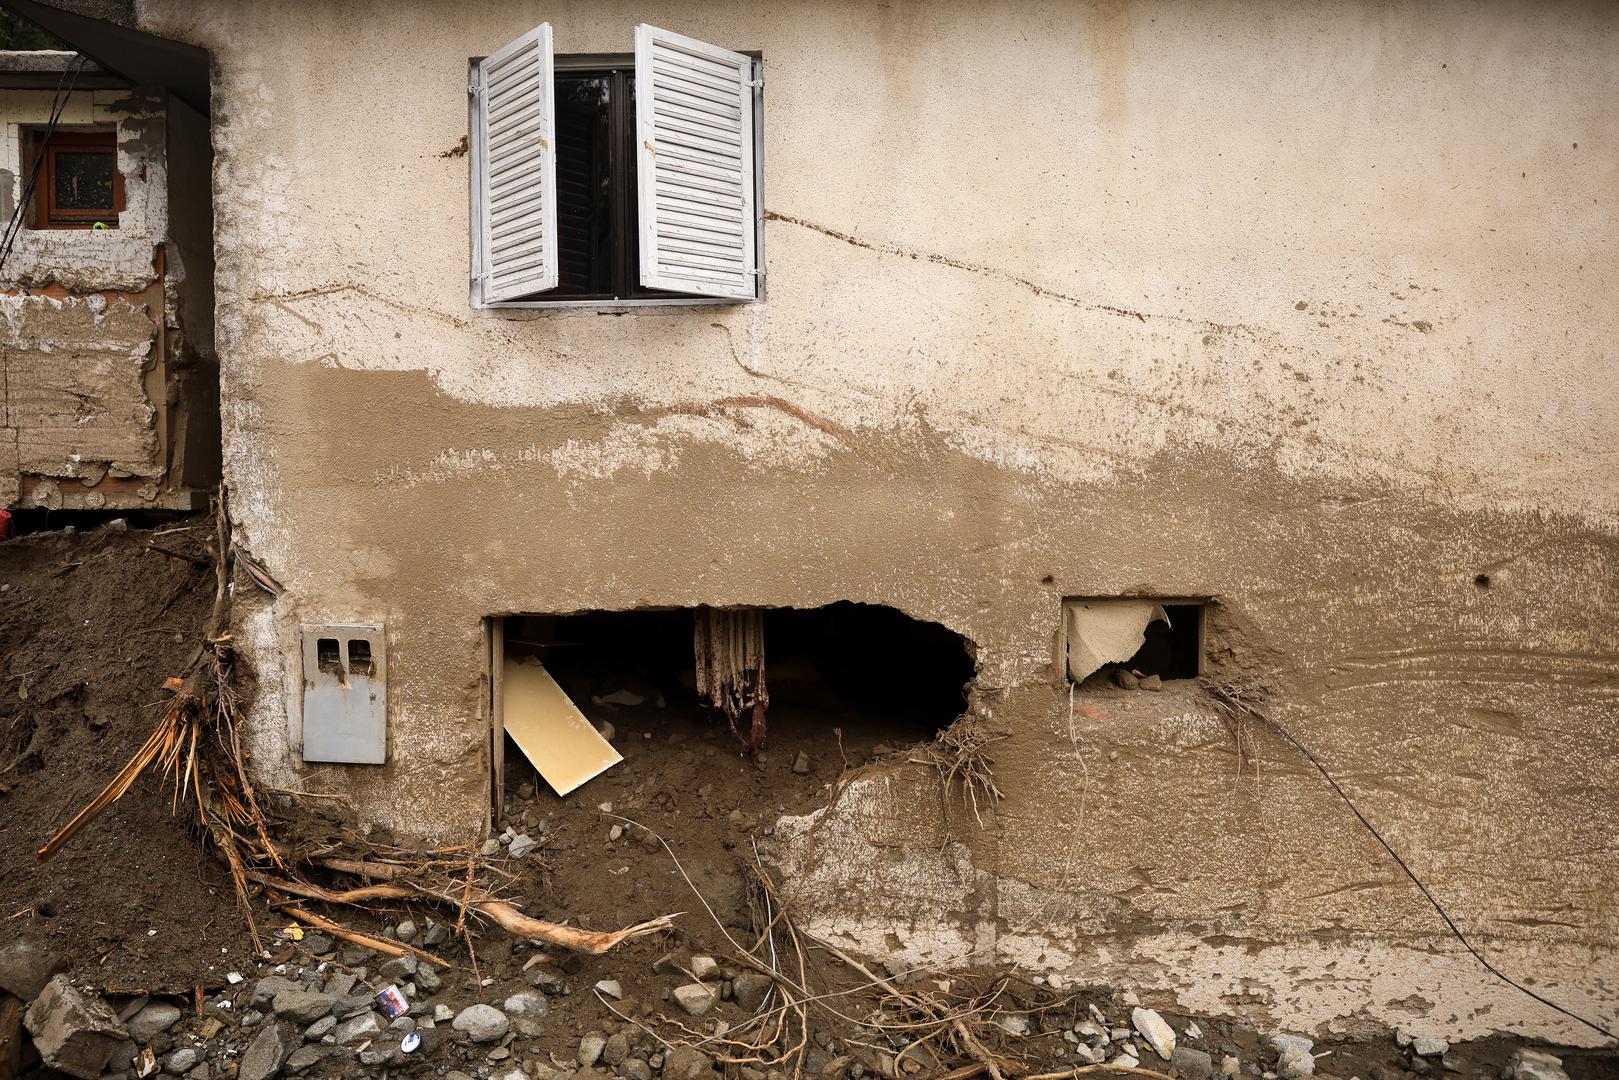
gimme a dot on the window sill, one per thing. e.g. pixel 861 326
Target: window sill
pixel 617 307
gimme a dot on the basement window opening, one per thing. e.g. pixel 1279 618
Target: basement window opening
pixel 837 682
pixel 1120 640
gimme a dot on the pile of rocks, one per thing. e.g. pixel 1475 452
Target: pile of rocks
pixel 319 1014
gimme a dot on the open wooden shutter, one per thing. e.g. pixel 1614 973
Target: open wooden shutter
pixel 694 167
pixel 517 169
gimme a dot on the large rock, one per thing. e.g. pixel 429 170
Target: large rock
pixel 365 1026
pixel 527 1003
pixel 267 1052
pixel 74 1031
pixel 1294 1058
pixel 1534 1065
pixel 591 1045
pixel 265 990
pixel 749 990
pixel 302 1006
pixel 527 1009
pixel 26 965
pixel 182 1060
pixel 481 1023
pixel 695 998
pixel 1194 1064
pixel 685 1063
pixel 303 1057
pixel 152 1021
pixel 1155 1030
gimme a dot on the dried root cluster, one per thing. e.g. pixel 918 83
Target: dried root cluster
pixel 197 747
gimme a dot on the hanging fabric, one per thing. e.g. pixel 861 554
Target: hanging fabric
pixel 729 644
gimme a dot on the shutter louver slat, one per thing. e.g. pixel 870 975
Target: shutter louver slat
pixel 516 164
pixel 694 107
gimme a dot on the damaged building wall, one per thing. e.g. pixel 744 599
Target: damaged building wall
pixel 108 378
pixel 1303 310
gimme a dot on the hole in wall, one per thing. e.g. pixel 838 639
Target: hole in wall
pixel 1482 581
pixel 841 680
pixel 1173 649
pixel 1122 639
pixel 871 665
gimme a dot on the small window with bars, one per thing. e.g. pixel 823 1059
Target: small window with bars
pixel 615 179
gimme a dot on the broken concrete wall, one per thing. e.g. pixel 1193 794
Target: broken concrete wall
pixel 76 400
pixel 83 260
pixel 110 385
pixel 1301 310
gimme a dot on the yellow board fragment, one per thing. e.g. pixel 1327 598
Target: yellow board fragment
pixel 548 727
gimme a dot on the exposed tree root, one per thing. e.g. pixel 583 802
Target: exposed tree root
pixel 197 747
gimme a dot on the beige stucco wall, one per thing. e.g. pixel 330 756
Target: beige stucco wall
pixel 1308 308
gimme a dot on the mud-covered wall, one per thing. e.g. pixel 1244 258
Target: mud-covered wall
pixel 1306 309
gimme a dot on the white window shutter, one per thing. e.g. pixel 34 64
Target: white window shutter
pixel 694 168
pixel 517 169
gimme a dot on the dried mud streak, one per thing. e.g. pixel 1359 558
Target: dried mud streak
pixel 1034 287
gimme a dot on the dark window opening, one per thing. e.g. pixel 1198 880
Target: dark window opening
pixel 329 656
pixel 598 250
pixel 79 185
pixel 1173 649
pixel 360 662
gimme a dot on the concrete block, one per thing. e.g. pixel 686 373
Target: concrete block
pixel 73 1029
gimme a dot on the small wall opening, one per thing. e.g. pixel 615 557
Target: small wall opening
pixel 1126 639
pixel 1173 646
pixel 360 657
pixel 845 678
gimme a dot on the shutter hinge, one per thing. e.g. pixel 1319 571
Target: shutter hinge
pixel 756 83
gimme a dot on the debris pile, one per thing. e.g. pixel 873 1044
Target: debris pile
pixel 379 957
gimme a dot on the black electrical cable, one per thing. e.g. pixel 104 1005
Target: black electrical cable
pixel 69 77
pixel 1233 702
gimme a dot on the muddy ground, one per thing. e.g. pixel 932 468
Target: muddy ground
pixel 92 623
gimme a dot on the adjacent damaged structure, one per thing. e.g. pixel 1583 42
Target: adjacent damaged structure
pixel 1135 360
pixel 108 378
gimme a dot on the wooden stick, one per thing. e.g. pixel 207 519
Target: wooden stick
pixel 182 556
pixel 569 937
pixel 348 896
pixel 382 945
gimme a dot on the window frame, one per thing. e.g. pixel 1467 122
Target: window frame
pixel 574 63
pixel 71 140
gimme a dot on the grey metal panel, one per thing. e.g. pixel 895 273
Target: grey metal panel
pixel 345 694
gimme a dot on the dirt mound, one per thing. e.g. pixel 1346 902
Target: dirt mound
pixel 90 626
